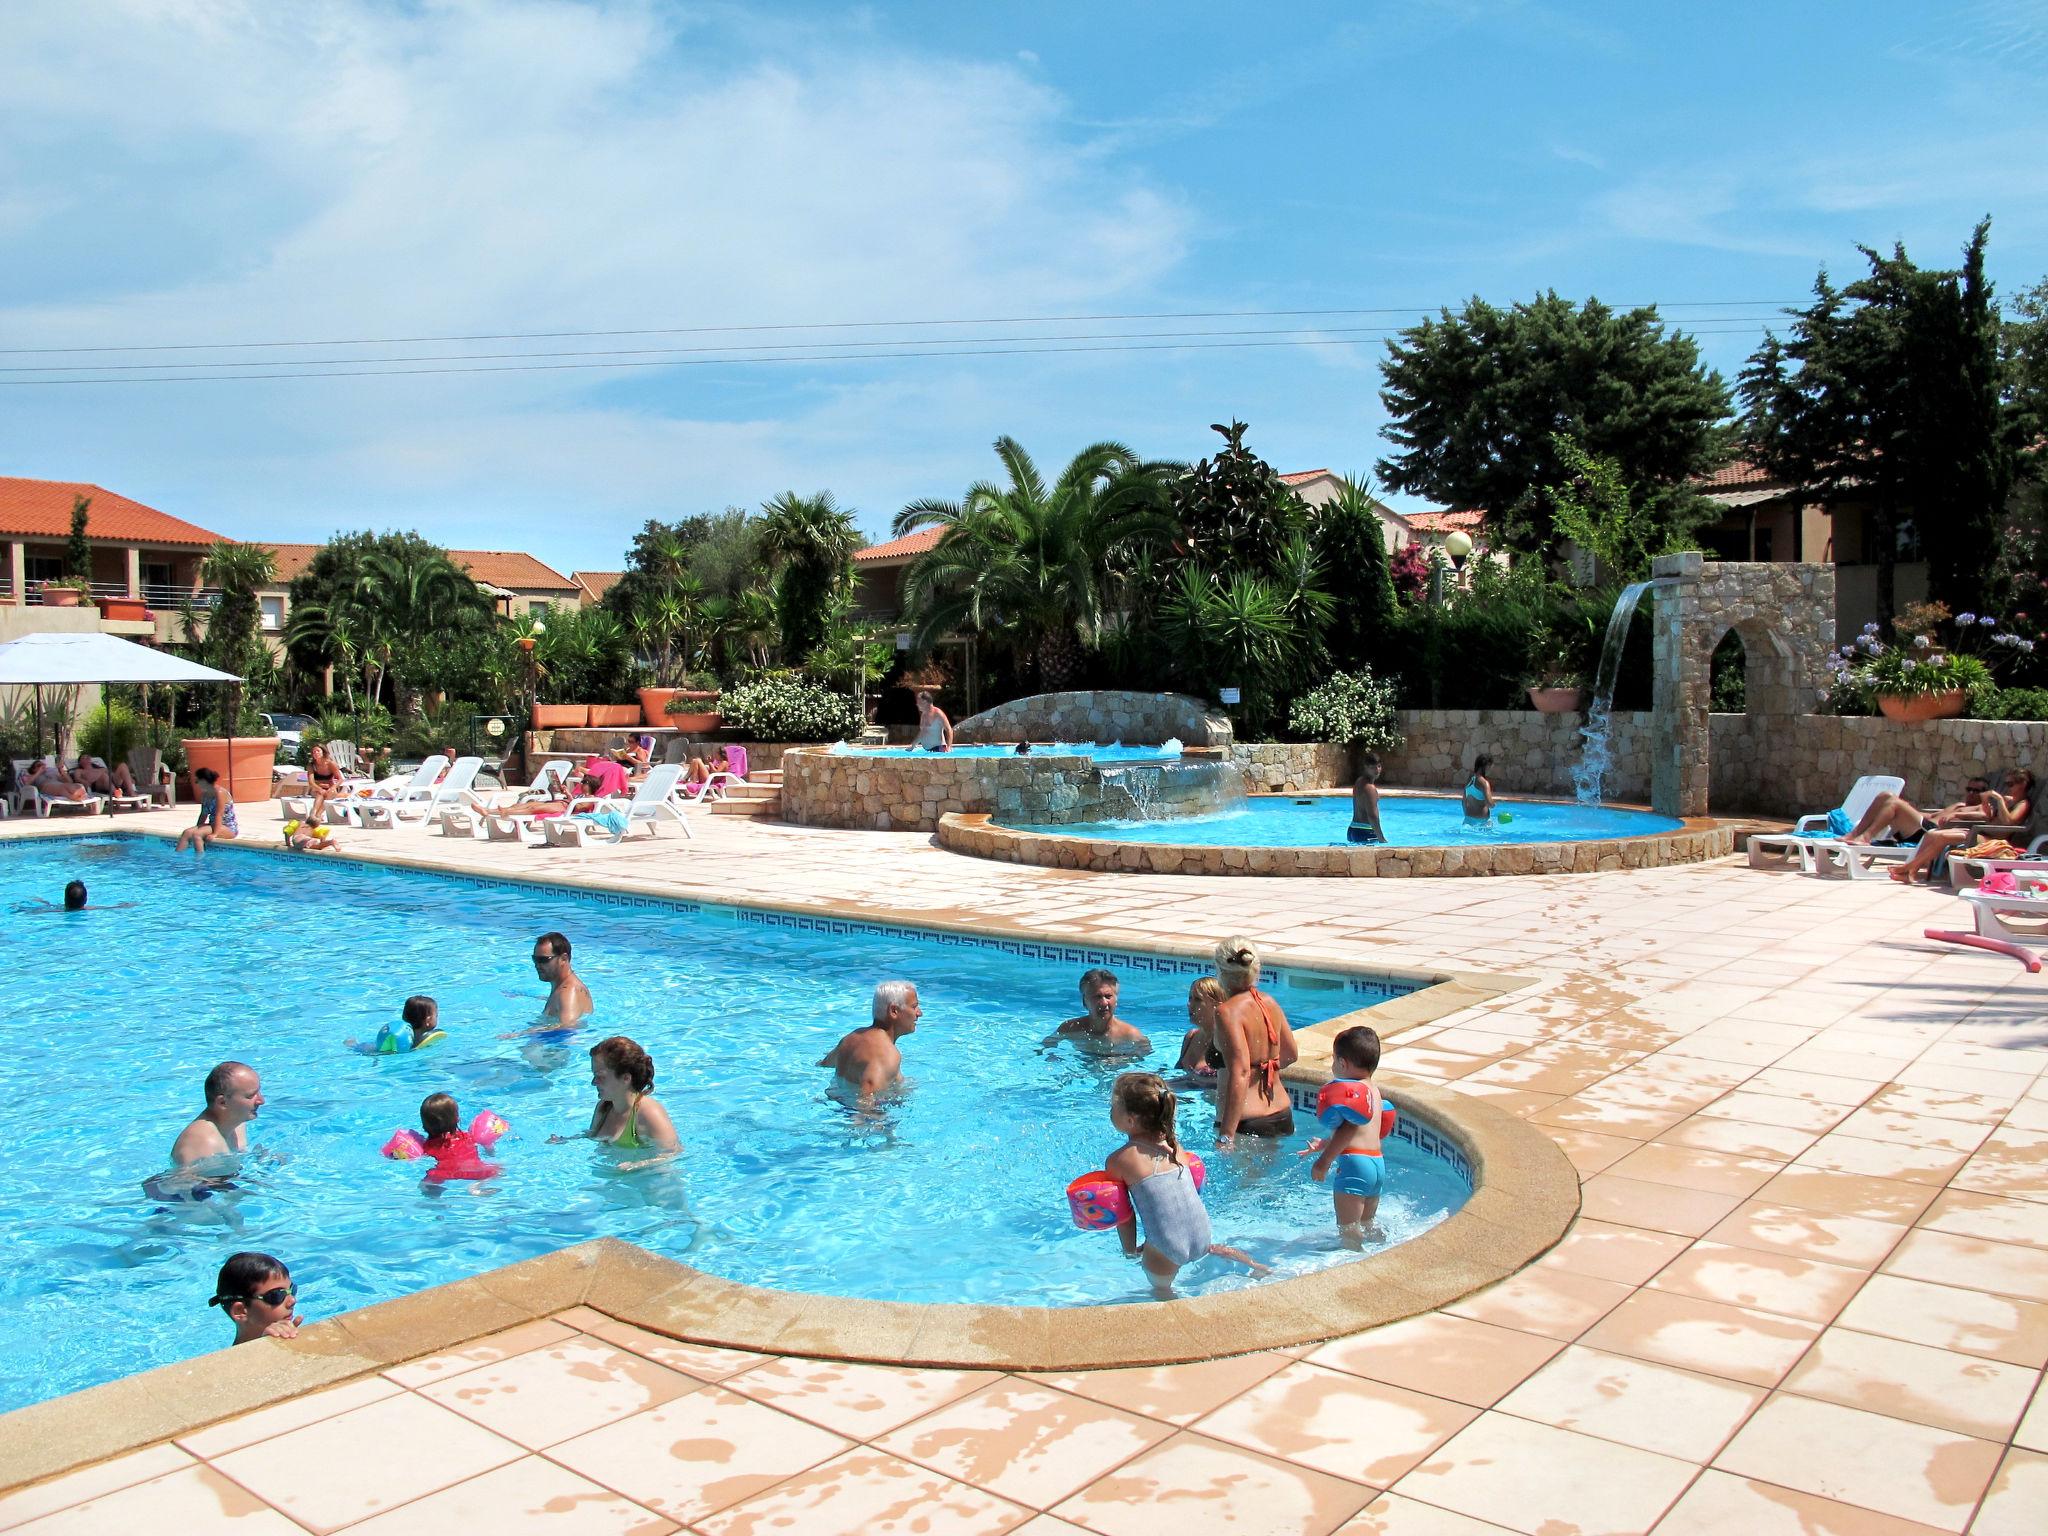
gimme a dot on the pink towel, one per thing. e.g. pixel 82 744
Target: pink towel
pixel 736 761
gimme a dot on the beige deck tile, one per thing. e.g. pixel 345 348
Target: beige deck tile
pixel 1705 1336
pixel 1840 1153
pixel 2011 1162
pixel 858 1401
pixel 1625 1255
pixel 698 1454
pixel 1658 1207
pixel 1023 1441
pixel 1368 1431
pixel 1942 1103
pixel 1873 1123
pixel 1943 1257
pixel 320 1474
pixel 197 1501
pixel 1591 1151
pixel 484 1351
pixel 866 1492
pixel 1442 1354
pixel 2033 1427
pixel 1553 1302
pixel 1534 1478
pixel 1194 1486
pixel 218 1439
pixel 1763 1282
pixel 530 1497
pixel 1393 1515
pixel 1174 1394
pixel 1050 1525
pixel 1814 1087
pixel 38 1499
pixel 706 1362
pixel 1930 1386
pixel 1739 1138
pixel 1636 1402
pixel 1898 1468
pixel 1848 1194
pixel 2018 1500
pixel 1951 1317
pixel 1692 1168
pixel 559 1391
pixel 1852 1241
pixel 1721 1504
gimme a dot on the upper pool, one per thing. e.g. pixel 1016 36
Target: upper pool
pixel 1113 752
pixel 953 1194
pixel 1414 821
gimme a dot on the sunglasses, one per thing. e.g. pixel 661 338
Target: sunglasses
pixel 541 959
pixel 277 1296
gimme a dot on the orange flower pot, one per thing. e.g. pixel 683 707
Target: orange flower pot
pixel 1927 706
pixel 614 714
pixel 1557 701
pixel 654 705
pixel 248 776
pixel 548 717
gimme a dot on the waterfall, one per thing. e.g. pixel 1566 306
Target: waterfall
pixel 1139 785
pixel 1170 791
pixel 1589 779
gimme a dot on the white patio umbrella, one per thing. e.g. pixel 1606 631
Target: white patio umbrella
pixel 67 660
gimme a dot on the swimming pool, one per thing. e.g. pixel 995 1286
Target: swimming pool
pixel 1320 821
pixel 955 1194
pixel 1112 752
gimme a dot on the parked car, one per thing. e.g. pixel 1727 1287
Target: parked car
pixel 291 733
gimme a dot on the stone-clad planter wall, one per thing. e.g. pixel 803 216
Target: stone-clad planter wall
pixel 1782 765
pixel 1280 766
pixel 1693 842
pixel 1103 715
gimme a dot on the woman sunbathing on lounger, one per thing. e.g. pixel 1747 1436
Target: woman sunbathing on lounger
pixel 1905 822
pixel 2012 808
pixel 47 776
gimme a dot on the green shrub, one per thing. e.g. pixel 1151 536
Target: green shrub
pixel 2010 704
pixel 1353 707
pixel 448 726
pixel 787 706
pixel 370 726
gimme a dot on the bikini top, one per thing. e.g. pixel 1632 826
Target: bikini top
pixel 1268 1069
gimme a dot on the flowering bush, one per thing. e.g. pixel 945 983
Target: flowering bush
pixel 1408 567
pixel 787 706
pixel 1353 707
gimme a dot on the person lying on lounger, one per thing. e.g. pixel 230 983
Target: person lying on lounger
pixel 1905 822
pixel 2012 808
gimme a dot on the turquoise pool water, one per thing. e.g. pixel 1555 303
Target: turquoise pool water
pixel 1428 821
pixel 954 1194
pixel 1114 752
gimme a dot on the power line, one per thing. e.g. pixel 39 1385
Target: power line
pixel 713 362
pixel 829 325
pixel 1320 333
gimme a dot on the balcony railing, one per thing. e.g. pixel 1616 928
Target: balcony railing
pixel 159 597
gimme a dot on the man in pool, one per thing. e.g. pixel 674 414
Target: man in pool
pixel 234 1095
pixel 1099 1031
pixel 1365 803
pixel 568 999
pixel 868 1061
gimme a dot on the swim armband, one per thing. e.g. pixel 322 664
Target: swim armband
pixel 406 1143
pixel 1349 1100
pixel 1099 1202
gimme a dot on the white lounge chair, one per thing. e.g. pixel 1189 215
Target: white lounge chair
pixel 1967 869
pixel 1812 828
pixel 30 799
pixel 453 792
pixel 653 797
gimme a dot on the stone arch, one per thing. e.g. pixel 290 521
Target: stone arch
pixel 1785 615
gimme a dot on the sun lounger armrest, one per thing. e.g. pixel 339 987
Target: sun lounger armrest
pixel 1814 822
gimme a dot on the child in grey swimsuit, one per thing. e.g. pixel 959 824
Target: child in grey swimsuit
pixel 1164 1201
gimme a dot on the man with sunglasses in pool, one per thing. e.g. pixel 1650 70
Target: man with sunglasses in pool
pixel 568 999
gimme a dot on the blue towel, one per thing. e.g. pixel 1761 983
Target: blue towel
pixel 1839 824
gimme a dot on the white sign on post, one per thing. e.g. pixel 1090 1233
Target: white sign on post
pixel 1227 695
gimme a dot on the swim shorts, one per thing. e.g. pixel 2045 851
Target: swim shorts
pixel 1358 834
pixel 1359 1174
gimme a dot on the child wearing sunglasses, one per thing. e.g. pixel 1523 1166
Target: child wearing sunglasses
pixel 257 1294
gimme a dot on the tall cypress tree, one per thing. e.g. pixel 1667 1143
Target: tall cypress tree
pixel 1352 546
pixel 77 551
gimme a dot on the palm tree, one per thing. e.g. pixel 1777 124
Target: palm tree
pixel 809 541
pixel 1040 569
pixel 404 597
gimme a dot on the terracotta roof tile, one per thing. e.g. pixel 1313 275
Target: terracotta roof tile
pixel 1299 475
pixel 899 549
pixel 511 569
pixel 292 558
pixel 596 583
pixel 42 509
pixel 1739 472
pixel 1470 519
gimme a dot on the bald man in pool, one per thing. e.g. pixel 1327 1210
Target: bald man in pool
pixel 234 1095
pixel 868 1061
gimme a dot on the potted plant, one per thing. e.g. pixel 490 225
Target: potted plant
pixel 122 608
pixel 1556 684
pixel 246 755
pixel 1918 677
pixel 66 592
pixel 687 708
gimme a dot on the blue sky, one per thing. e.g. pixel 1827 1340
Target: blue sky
pixel 238 171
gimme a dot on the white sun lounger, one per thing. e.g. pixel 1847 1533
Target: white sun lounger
pixel 452 793
pixel 1812 828
pixel 653 797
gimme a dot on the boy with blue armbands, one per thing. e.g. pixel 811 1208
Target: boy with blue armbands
pixel 1349 1107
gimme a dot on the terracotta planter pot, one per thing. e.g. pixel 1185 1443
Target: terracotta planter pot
pixel 248 776
pixel 548 717
pixel 615 714
pixel 1557 701
pixel 654 705
pixel 122 608
pixel 62 597
pixel 1928 706
pixel 694 724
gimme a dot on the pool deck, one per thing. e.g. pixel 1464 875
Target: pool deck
pixel 1807 1292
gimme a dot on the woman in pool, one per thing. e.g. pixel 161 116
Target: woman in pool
pixel 1198 1054
pixel 216 814
pixel 627 1115
pixel 1254 1045
pixel 1479 791
pixel 934 726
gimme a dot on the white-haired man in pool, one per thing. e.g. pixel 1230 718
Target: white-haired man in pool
pixel 868 1060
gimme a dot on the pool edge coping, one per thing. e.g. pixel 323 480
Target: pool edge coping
pixel 1525 1199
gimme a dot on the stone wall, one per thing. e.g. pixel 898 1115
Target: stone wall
pixel 1104 715
pixel 1276 767
pixel 1532 754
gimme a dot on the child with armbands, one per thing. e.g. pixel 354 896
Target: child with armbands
pixel 455 1152
pixel 1161 1183
pixel 419 1025
pixel 1351 1108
